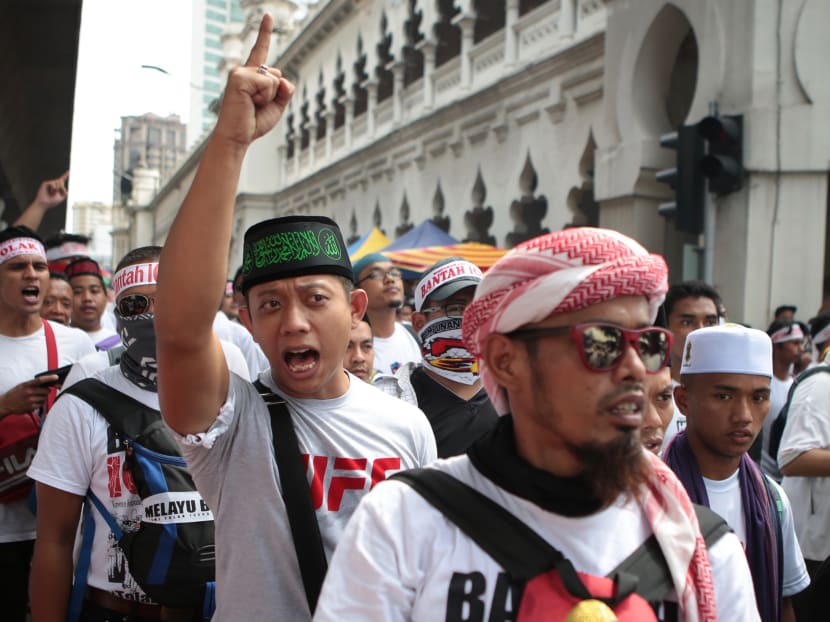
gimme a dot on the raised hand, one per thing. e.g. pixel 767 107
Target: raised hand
pixel 255 96
pixel 52 192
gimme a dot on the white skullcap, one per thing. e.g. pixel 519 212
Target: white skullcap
pixel 727 349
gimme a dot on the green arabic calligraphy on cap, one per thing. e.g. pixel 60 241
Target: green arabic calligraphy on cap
pixel 293 246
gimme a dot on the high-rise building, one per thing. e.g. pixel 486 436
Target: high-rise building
pixel 153 141
pixel 210 18
pixel 94 219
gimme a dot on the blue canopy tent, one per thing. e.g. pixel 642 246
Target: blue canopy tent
pixel 425 234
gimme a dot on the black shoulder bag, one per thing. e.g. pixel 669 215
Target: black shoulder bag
pixel 305 531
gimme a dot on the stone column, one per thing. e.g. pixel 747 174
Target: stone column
pixel 428 48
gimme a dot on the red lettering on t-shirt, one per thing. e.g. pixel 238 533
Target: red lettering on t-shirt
pixel 341 483
pixel 381 466
pixel 114 476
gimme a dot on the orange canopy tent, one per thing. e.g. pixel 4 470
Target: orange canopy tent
pixel 413 261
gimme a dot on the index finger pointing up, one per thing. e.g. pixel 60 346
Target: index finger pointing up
pixel 259 53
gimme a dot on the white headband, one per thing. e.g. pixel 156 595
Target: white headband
pixel 822 335
pixel 67 249
pixel 788 333
pixel 135 275
pixel 21 246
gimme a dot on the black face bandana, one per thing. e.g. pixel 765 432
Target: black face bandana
pixel 138 362
pixel 494 454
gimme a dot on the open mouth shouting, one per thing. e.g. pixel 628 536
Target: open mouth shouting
pixel 301 362
pixel 31 294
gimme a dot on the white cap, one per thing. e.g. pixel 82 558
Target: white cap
pixel 727 349
pixel 444 279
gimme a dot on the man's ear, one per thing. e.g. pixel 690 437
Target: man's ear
pixel 418 320
pixel 505 360
pixel 245 318
pixel 358 300
pixel 681 399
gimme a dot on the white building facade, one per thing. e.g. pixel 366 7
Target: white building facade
pixel 503 119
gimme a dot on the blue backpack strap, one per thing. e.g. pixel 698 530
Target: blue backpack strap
pixel 116 530
pixel 76 598
pixel 209 605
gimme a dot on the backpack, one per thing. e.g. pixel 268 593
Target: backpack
pixel 171 554
pixel 777 428
pixel 551 587
pixel 19 434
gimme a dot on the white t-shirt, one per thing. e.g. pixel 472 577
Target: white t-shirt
pixel 777 399
pixel 808 427
pixel 725 500
pixel 108 318
pixel 348 444
pixel 77 452
pixel 102 333
pixel 392 352
pixel 400 559
pixel 21 359
pixel 238 335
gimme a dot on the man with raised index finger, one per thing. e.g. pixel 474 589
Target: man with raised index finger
pixel 301 305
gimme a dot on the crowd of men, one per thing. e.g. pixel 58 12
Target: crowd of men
pixel 562 436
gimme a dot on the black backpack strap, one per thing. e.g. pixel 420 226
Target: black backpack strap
pixel 524 554
pixel 648 567
pixel 296 493
pixel 516 547
pixel 521 551
pixel 124 414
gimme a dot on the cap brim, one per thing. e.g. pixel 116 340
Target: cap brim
pixel 450 289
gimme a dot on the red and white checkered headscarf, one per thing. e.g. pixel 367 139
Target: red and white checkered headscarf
pixel 557 273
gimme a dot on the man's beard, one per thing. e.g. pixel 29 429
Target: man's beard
pixel 614 468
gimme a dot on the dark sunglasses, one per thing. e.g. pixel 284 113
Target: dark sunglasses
pixel 134 304
pixel 601 346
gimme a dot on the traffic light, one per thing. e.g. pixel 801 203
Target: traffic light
pixel 723 163
pixel 685 179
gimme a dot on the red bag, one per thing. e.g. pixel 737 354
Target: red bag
pixel 19 435
pixel 18 443
pixel 546 598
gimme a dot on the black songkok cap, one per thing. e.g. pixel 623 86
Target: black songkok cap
pixel 292 246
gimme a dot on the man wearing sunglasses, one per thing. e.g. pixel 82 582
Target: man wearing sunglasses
pixel 383 283
pixel 562 330
pixel 301 305
pixel 724 393
pixel 445 384
pixel 78 453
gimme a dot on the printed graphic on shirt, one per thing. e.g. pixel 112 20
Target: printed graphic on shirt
pixel 332 478
pixel 126 507
pixel 466 598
